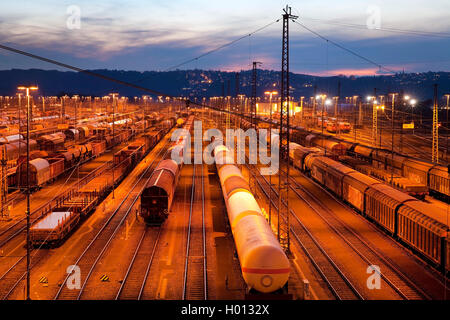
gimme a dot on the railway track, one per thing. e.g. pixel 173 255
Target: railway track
pixel 17 271
pixel 90 257
pixel 16 228
pixel 341 287
pixel 391 273
pixel 195 279
pixel 134 281
pixel 11 279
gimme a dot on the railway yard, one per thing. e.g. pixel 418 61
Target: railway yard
pixel 120 211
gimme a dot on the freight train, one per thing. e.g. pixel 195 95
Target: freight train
pixel 265 267
pixel 157 196
pixel 44 166
pixel 435 177
pixel 421 226
pixel 52 229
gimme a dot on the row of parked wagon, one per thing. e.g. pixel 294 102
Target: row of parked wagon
pixel 420 225
pixel 434 176
pixel 66 215
pixel 157 196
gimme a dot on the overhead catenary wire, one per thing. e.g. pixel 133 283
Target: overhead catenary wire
pixel 101 76
pixel 222 46
pixel 195 59
pixel 345 49
pixel 385 29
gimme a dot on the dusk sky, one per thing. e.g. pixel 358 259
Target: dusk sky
pixel 156 35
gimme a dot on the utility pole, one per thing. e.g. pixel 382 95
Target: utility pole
pixel 374 117
pixel 283 170
pixel 447 126
pixel 27 89
pixel 3 184
pixel 313 115
pixel 253 97
pixel 435 149
pixel 237 84
pixel 355 100
pixel 75 97
pixel 19 107
pixel 392 141
pixel 114 95
pixel 338 108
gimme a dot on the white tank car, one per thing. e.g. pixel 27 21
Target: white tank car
pixel 264 265
pixel 227 171
pixel 241 204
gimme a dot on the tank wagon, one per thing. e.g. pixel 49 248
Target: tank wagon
pixel 264 265
pixel 157 196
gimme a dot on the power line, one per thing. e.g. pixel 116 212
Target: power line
pixel 345 49
pixel 392 30
pixel 88 72
pixel 98 75
pixel 215 49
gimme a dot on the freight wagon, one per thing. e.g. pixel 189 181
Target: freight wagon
pixel 42 171
pixel 157 196
pixel 419 225
pixel 264 265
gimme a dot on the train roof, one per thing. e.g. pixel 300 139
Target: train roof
pixel 362 178
pixel 39 163
pixel 440 171
pixel 363 150
pixel 427 215
pixel 417 164
pixel 168 164
pixel 389 195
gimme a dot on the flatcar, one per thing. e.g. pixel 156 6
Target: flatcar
pixel 53 228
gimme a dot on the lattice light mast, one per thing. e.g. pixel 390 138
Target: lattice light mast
pixel 283 170
pixel 253 96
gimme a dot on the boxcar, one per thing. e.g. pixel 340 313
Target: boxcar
pixel 328 172
pixel 298 153
pixel 381 204
pixel 416 171
pixel 354 186
pixel 51 142
pixel 419 227
pixel 156 198
pixel 439 182
pixel 39 173
pixel 56 167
